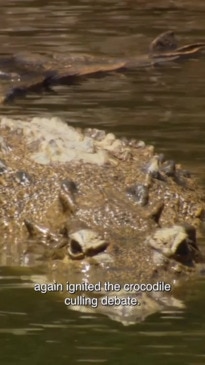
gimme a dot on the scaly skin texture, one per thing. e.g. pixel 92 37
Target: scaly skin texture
pixel 102 198
pixel 123 218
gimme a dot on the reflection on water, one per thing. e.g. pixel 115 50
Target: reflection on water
pixel 164 106
pixel 50 331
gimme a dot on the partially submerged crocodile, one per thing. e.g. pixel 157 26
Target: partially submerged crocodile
pixel 100 208
pixel 22 73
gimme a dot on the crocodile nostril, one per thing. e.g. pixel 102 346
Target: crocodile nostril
pixel 75 250
pixel 182 249
pixel 75 247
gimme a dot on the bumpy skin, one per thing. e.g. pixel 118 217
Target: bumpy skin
pixel 130 211
pixel 133 192
pixel 23 73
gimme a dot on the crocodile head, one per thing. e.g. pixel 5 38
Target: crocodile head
pixel 165 42
pixel 98 219
pixel 165 48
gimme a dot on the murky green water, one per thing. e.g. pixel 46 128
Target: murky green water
pixel 38 329
pixel 164 106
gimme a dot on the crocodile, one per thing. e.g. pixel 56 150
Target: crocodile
pixel 95 208
pixel 26 72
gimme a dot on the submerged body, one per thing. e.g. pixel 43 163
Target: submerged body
pixel 23 73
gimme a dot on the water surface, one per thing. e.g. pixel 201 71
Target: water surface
pixel 163 106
